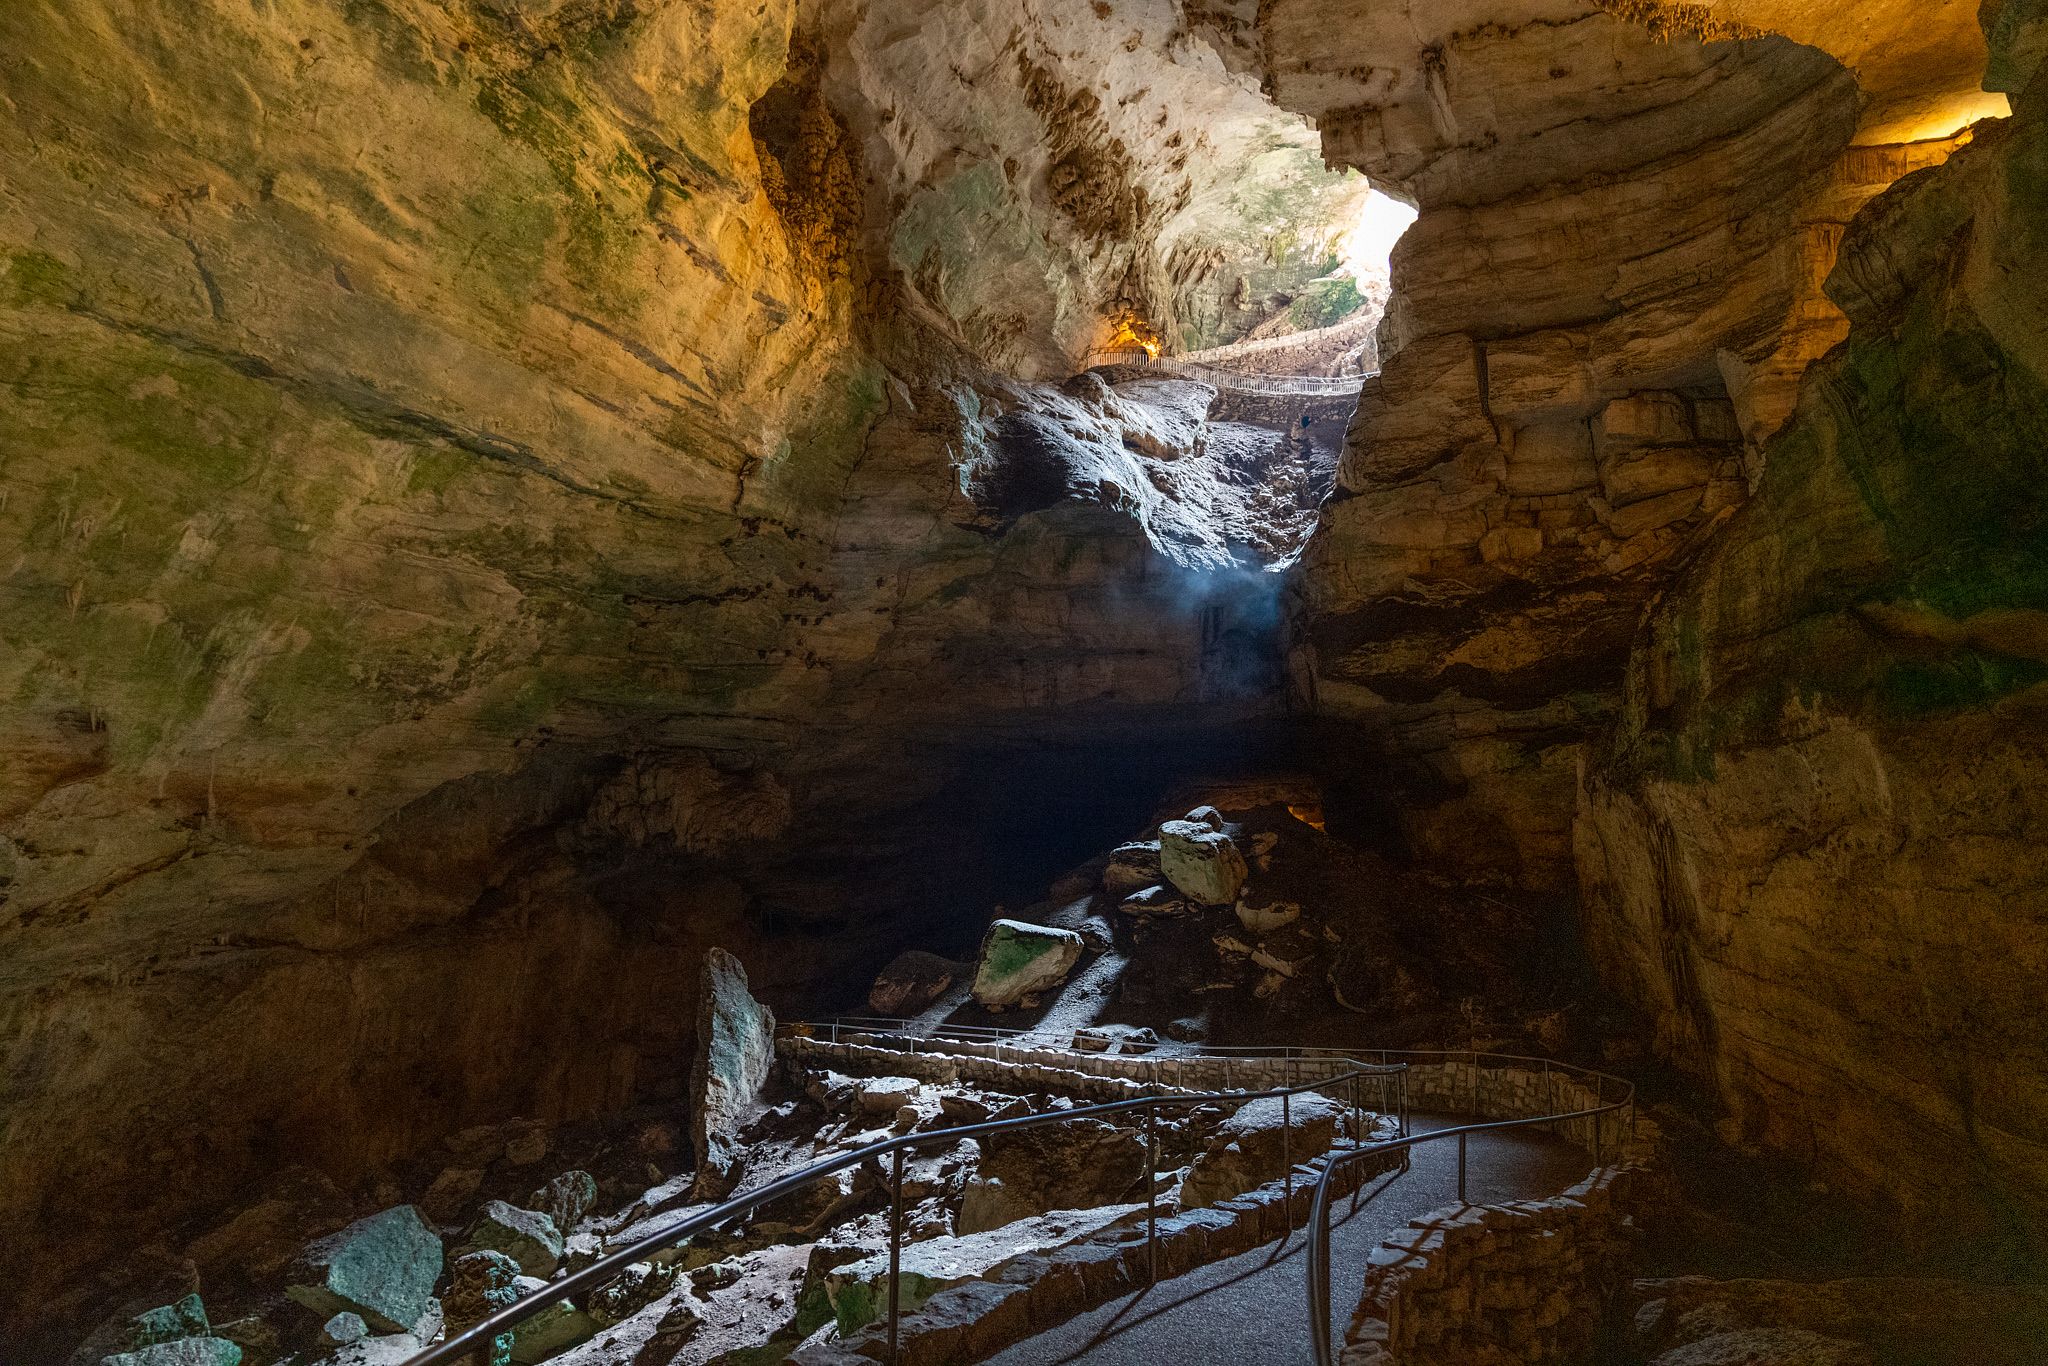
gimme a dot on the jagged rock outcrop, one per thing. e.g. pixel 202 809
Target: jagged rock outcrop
pixel 1602 300
pixel 1810 850
pixel 735 1053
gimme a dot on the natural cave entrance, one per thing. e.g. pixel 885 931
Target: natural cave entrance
pixel 660 484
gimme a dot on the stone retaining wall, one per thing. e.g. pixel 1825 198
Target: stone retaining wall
pixel 1524 1281
pixel 1094 1076
pixel 1477 1285
pixel 1523 1091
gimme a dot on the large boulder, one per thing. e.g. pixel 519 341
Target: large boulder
pixel 383 1268
pixel 735 1051
pixel 528 1237
pixel 1077 1165
pixel 913 980
pixel 1019 961
pixel 1201 861
pixel 1247 1150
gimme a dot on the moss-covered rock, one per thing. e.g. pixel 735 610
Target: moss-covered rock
pixel 1018 961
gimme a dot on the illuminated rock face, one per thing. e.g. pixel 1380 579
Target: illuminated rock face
pixel 1801 799
pixel 1602 312
pixel 1812 847
pixel 483 484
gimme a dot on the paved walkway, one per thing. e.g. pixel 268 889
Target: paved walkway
pixel 1252 1310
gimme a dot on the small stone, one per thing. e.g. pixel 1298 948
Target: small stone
pixel 1187 1030
pixel 677 1326
pixel 526 1236
pixel 885 1095
pixel 383 1268
pixel 1201 862
pixel 1019 960
pixel 962 1109
pixel 716 1276
pixel 1268 918
pixel 343 1329
pixel 203 1351
pixel 1155 901
pixel 1206 815
pixel 566 1199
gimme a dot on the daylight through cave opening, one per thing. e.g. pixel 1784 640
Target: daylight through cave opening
pixel 536 532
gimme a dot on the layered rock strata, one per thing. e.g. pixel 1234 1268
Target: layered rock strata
pixel 1810 848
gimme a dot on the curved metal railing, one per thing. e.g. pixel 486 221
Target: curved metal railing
pixel 1319 1206
pixel 481 1336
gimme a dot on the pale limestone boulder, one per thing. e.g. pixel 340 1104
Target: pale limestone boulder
pixel 1201 862
pixel 1246 1150
pixel 528 1237
pixel 1080 1164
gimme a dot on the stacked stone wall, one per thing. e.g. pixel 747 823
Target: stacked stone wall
pixel 1484 1285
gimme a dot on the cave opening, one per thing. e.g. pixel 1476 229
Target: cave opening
pixel 943 511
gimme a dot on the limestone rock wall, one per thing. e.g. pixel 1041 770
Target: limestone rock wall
pixel 1054 171
pixel 484 521
pixel 1811 848
pixel 1603 309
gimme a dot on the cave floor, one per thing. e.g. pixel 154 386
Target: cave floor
pixel 1252 1308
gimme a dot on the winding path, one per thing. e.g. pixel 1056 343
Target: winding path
pixel 1248 1310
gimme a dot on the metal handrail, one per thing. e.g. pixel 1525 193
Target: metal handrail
pixel 1318 1261
pixel 604 1268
